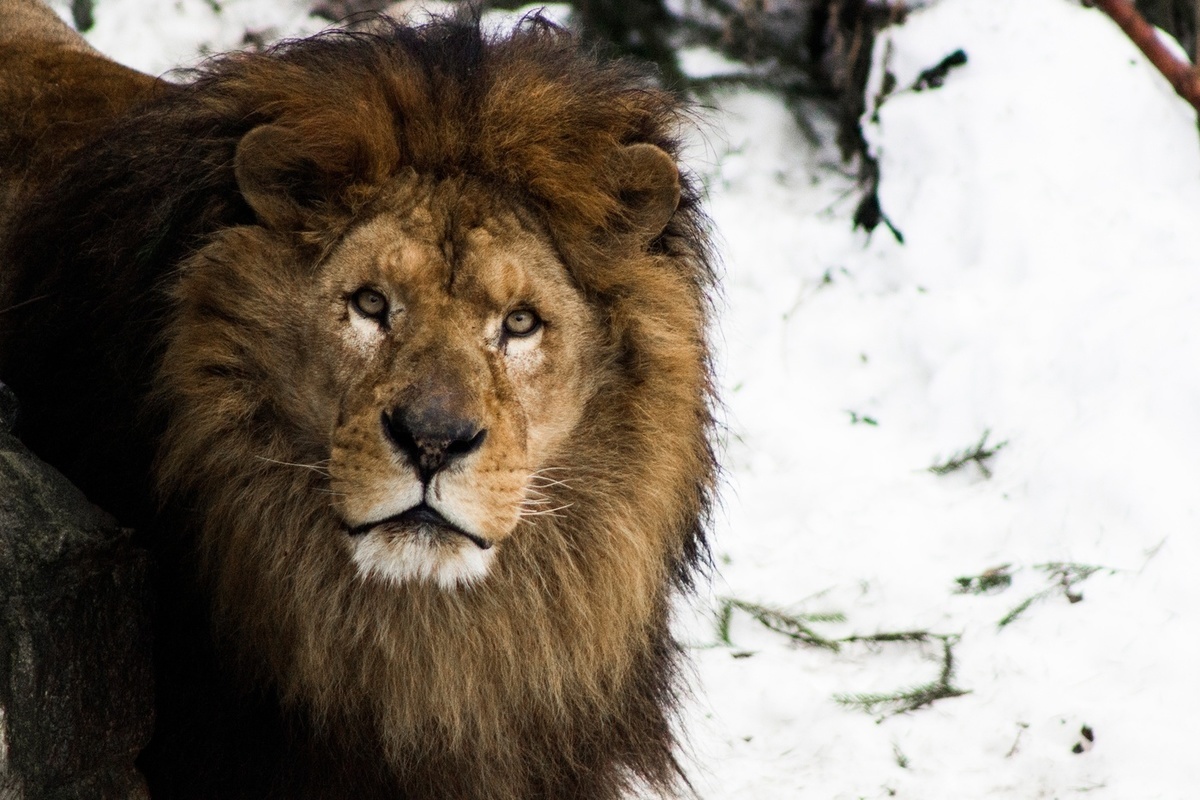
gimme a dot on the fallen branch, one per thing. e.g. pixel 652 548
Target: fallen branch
pixel 1182 75
pixel 796 627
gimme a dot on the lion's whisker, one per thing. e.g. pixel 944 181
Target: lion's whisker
pixel 549 487
pixel 539 512
pixel 317 467
pixel 541 473
pixel 547 483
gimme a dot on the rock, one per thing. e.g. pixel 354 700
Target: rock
pixel 76 692
pixel 8 409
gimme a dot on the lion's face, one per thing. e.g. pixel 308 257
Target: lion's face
pixel 456 348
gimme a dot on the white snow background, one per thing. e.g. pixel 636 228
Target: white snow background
pixel 1047 293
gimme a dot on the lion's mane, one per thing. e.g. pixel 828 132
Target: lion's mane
pixel 553 678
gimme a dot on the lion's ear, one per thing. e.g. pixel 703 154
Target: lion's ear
pixel 648 185
pixel 276 177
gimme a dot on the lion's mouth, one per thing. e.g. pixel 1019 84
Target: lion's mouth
pixel 421 517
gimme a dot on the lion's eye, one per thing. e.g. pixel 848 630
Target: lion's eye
pixel 370 303
pixel 522 322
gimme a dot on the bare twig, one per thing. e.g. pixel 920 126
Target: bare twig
pixel 1182 75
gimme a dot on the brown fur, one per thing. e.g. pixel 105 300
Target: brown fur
pixel 187 283
pixel 76 91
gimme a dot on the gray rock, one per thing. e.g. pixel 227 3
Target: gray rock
pixel 8 409
pixel 76 692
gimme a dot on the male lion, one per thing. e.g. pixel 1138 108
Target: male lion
pixel 393 347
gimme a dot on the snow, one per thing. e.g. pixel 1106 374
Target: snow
pixel 156 37
pixel 1045 294
pixel 1048 196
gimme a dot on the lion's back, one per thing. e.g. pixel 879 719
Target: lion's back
pixel 56 93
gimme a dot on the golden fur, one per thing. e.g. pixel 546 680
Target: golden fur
pixel 203 287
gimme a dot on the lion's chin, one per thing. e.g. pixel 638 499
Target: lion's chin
pixel 424 554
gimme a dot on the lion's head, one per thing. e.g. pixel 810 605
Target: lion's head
pixel 429 383
pixel 437 359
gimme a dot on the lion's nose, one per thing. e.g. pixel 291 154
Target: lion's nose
pixel 431 441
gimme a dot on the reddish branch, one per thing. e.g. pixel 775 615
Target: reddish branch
pixel 1182 75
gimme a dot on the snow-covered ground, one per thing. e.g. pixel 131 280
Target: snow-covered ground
pixel 1047 294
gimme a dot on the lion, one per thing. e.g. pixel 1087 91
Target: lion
pixel 392 345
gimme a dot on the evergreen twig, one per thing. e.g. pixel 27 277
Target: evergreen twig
pixel 1020 608
pixel 992 580
pixel 916 697
pixel 1066 577
pixel 979 454
pixel 796 627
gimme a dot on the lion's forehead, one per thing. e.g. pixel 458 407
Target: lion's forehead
pixel 492 262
